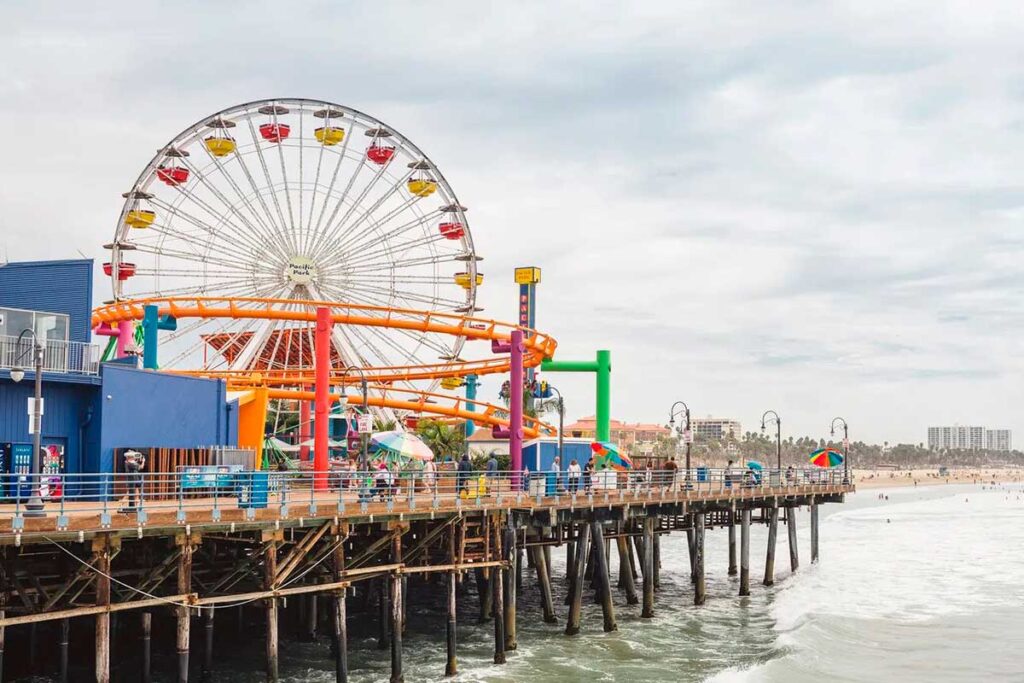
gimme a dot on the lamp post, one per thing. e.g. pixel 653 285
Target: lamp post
pixel 672 412
pixel 363 456
pixel 34 507
pixel 846 447
pixel 561 419
pixel 778 436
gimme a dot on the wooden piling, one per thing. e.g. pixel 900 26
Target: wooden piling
pixel 699 587
pixel 626 579
pixel 603 580
pixel 383 614
pixel 451 667
pixel 648 568
pixel 773 530
pixel 794 555
pixel 745 552
pixel 732 543
pixel 657 561
pixel 572 626
pixel 101 550
pixel 184 618
pixel 814 531
pixel 397 614
pixel 511 583
pixel 312 614
pixel 3 637
pixel 269 578
pixel 147 647
pixel 483 591
pixel 540 562
pixel 339 617
pixel 65 628
pixel 497 603
pixel 689 547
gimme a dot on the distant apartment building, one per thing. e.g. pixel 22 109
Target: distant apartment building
pixel 638 438
pixel 968 438
pixel 715 428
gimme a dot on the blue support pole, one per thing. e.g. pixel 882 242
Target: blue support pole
pixel 151 324
pixel 472 382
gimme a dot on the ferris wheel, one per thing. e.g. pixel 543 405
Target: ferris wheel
pixel 300 200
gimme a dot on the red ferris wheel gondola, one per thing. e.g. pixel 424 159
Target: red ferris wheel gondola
pixel 378 152
pixel 170 172
pixel 273 131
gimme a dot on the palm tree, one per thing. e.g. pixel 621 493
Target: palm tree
pixel 447 442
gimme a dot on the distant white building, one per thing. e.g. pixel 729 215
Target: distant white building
pixel 715 428
pixel 968 438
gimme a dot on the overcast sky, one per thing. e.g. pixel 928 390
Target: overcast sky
pixel 812 207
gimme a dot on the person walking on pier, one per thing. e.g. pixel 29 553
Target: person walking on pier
pixel 574 476
pixel 588 476
pixel 430 476
pixel 492 473
pixel 671 469
pixel 134 463
pixel 556 471
pixel 464 473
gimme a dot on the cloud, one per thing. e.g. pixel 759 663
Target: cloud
pixel 814 208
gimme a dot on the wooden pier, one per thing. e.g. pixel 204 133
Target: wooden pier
pixel 197 572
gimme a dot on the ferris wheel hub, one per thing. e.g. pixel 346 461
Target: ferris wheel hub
pixel 300 270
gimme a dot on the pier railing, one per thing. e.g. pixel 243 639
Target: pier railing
pixel 210 491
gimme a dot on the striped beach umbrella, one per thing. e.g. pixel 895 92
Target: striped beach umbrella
pixel 607 456
pixel 400 448
pixel 826 457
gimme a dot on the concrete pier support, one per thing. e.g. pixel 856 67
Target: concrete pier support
pixel 603 580
pixel 657 561
pixel 690 549
pixel 699 587
pixel 794 554
pixel 814 531
pixel 745 552
pixel 147 647
pixel 572 626
pixel 626 579
pixel 732 543
pixel 647 611
pixel 773 532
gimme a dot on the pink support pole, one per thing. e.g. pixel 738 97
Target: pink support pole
pixel 322 342
pixel 125 335
pixel 514 433
pixel 304 424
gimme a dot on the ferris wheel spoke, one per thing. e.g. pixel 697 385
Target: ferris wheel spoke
pixel 330 190
pixel 288 194
pixel 316 184
pixel 232 208
pixel 336 237
pixel 272 235
pixel 289 248
pixel 332 225
pixel 185 255
pixel 211 230
pixel 359 242
pixel 388 254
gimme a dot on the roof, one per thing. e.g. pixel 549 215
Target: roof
pixel 589 422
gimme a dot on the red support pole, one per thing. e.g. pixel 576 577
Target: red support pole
pixel 304 425
pixel 322 342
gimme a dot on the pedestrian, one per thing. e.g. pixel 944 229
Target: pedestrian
pixel 648 476
pixel 790 475
pixel 492 471
pixel 728 474
pixel 588 476
pixel 671 470
pixel 574 476
pixel 556 470
pixel 134 463
pixel 464 473
pixel 430 475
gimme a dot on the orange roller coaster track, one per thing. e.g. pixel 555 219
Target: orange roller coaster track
pixel 538 345
pixel 289 383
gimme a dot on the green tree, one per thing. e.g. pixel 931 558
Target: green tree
pixel 447 442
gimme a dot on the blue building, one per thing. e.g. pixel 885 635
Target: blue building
pixel 92 410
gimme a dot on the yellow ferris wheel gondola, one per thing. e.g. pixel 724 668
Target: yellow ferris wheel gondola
pixel 421 183
pixel 220 144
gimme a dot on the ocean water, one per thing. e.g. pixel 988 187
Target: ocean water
pixel 926 586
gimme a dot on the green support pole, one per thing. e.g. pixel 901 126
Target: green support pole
pixel 602 367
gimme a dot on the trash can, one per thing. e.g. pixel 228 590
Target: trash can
pixel 702 474
pixel 538 484
pixel 253 489
pixel 550 484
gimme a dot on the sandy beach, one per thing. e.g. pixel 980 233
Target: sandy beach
pixel 878 479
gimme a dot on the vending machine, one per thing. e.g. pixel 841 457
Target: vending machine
pixel 21 467
pixel 51 484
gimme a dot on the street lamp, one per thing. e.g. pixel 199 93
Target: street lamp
pixel 561 419
pixel 34 507
pixel 363 456
pixel 846 447
pixel 778 436
pixel 672 412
